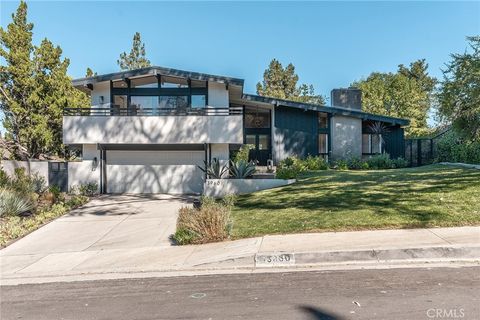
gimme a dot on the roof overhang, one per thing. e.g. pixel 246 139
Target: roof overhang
pixel 154 70
pixel 332 110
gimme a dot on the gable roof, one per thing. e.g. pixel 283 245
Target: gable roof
pixel 155 70
pixel 327 109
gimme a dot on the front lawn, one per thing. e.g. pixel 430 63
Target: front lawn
pixel 429 196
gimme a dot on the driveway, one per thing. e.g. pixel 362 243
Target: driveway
pixel 105 223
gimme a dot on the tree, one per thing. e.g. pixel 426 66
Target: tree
pixel 459 94
pixel 408 93
pixel 89 73
pixel 35 88
pixel 279 82
pixel 136 59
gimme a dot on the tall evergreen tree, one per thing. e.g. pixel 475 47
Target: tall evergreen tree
pixel 136 59
pixel 408 93
pixel 35 88
pixel 279 82
pixel 459 95
pixel 89 73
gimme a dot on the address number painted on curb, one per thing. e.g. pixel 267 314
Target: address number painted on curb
pixel 274 259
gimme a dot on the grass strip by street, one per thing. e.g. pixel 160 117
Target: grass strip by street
pixel 429 196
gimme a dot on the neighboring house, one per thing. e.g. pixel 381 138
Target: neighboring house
pixel 149 129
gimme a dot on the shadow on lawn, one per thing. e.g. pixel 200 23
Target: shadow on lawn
pixel 383 192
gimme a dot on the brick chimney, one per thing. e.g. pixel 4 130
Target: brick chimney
pixel 350 98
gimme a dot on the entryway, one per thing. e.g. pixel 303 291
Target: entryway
pixel 262 150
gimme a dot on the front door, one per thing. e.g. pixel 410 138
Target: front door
pixel 262 149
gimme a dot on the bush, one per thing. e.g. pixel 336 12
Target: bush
pixel 399 163
pixel 354 163
pixel 452 148
pixel 315 163
pixel 209 223
pixel 4 179
pixel 341 164
pixel 287 173
pixel 380 161
pixel 13 203
pixel 242 169
pixel 243 153
pixel 213 169
pixel 39 183
pixel 88 189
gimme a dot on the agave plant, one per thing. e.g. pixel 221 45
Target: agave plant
pixel 242 169
pixel 12 203
pixel 213 169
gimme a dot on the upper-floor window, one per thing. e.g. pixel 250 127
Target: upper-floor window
pixel 322 120
pixel 173 102
pixel 199 101
pixel 198 84
pixel 144 82
pixel 256 117
pixel 173 82
pixel 120 84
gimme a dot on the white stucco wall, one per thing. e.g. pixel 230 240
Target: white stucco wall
pixel 221 152
pixel 346 137
pixel 82 173
pixel 217 95
pixel 144 129
pixel 218 188
pixel 100 89
pixel 31 167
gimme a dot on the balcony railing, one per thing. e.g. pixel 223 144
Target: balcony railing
pixel 133 111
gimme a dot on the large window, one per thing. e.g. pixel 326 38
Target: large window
pixel 323 143
pixel 172 82
pixel 144 102
pixel 144 82
pixel 199 101
pixel 257 117
pixel 120 84
pixel 263 141
pixel 371 143
pixel 174 102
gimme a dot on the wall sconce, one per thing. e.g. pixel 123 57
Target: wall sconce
pixel 94 163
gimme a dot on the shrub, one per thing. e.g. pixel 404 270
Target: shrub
pixel 213 169
pixel 242 169
pixel 365 165
pixel 452 148
pixel 13 203
pixel 399 163
pixel 76 201
pixel 243 153
pixel 287 173
pixel 355 163
pixel 380 161
pixel 21 182
pixel 341 164
pixel 39 183
pixel 315 163
pixel 209 223
pixel 4 179
pixel 88 189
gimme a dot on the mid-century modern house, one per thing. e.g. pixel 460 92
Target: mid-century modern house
pixel 148 130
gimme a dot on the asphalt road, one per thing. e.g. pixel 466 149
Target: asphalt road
pixel 441 293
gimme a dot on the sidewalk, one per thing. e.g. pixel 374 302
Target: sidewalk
pixel 330 250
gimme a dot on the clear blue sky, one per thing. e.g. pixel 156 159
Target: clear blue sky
pixel 330 43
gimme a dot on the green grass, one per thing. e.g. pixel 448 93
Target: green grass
pixel 429 196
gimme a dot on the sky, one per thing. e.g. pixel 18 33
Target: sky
pixel 331 44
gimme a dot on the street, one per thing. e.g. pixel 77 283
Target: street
pixel 437 293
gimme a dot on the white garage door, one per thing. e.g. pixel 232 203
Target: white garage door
pixel 173 172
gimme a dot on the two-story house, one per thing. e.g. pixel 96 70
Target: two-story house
pixel 148 130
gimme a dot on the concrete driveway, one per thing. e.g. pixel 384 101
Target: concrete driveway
pixel 107 222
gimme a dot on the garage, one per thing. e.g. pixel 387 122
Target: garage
pixel 154 171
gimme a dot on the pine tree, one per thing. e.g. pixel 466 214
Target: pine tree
pixel 89 73
pixel 279 82
pixel 136 59
pixel 35 88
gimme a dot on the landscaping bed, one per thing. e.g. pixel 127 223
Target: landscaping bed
pixel 333 200
pixel 26 203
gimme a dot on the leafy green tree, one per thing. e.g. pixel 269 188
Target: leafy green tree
pixel 136 59
pixel 35 88
pixel 89 73
pixel 408 93
pixel 459 95
pixel 279 82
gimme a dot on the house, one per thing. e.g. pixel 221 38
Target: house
pixel 148 129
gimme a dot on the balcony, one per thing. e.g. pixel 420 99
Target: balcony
pixel 112 125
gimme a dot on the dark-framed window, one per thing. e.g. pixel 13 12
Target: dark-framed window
pixel 323 143
pixel 371 143
pixel 256 117
pixel 144 82
pixel 322 120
